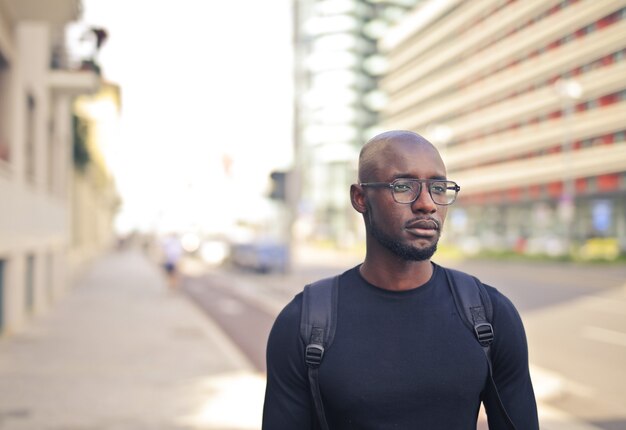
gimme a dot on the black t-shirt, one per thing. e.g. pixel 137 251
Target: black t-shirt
pixel 399 360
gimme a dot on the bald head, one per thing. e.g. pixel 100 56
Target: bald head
pixel 376 150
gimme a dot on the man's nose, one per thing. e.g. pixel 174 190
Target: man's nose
pixel 424 203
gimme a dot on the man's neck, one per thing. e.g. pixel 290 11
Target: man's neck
pixel 396 274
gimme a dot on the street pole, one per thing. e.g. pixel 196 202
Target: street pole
pixel 294 184
pixel 569 91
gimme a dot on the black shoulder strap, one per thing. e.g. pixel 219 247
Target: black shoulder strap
pixel 317 328
pixel 474 307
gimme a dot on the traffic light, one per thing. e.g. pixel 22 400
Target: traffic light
pixel 279 185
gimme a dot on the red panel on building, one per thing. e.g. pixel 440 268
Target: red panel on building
pixel 608 182
pixel 534 191
pixel 607 60
pixel 555 189
pixel 514 194
pixel 555 149
pixel 608 100
pixel 554 115
pixel 607 139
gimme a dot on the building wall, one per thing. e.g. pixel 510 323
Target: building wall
pixel 32 222
pixel 35 161
pixel 95 200
pixel 526 101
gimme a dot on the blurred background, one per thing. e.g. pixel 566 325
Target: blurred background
pixel 221 138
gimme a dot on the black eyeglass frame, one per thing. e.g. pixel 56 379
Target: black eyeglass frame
pixel 453 186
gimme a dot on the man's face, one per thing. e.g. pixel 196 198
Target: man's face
pixel 410 231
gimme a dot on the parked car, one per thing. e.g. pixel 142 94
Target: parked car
pixel 262 256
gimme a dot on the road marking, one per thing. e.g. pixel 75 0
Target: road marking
pixel 229 400
pixel 251 292
pixel 605 335
pixel 608 304
pixel 554 419
pixel 547 384
pixel 230 306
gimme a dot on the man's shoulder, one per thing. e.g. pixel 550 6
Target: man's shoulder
pixel 349 275
pixel 497 298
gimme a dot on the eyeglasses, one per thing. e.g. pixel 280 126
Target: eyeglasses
pixel 406 191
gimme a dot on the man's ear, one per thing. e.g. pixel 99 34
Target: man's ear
pixel 357 197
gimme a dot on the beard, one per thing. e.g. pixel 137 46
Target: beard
pixel 404 251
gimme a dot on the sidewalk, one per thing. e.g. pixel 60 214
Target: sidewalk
pixel 120 352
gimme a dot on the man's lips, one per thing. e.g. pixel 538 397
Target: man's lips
pixel 423 227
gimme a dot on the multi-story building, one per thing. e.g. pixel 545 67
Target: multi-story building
pixel 95 199
pixel 527 102
pixel 37 91
pixel 337 67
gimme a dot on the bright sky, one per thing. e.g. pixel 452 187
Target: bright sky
pixel 200 79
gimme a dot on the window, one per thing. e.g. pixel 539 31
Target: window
pixel 50 276
pixel 52 158
pixel 5 150
pixel 2 281
pixel 29 298
pixel 29 142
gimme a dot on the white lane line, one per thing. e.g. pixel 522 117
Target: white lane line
pixel 554 419
pixel 229 401
pixel 608 304
pixel 229 306
pixel 550 385
pixel 605 335
pixel 256 295
pixel 547 384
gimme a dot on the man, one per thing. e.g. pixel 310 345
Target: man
pixel 401 356
pixel 172 253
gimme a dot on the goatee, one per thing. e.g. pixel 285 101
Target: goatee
pixel 405 252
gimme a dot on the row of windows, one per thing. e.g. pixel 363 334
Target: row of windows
pixel 471 26
pixel 29 283
pixel 608 139
pixel 29 147
pixel 30 106
pixel 590 28
pixel 601 62
pixel 590 186
pixel 617 56
pixel 602 101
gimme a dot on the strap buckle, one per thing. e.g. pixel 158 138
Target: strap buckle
pixel 484 333
pixel 313 355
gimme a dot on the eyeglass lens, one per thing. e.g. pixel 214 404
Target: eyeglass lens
pixel 442 192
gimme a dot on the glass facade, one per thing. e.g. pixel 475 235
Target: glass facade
pixel 337 69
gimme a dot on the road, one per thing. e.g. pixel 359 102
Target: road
pixel 575 318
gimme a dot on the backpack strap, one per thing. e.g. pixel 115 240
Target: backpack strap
pixel 476 311
pixel 317 328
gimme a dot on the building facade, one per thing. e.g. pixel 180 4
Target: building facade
pixel 95 200
pixel 527 103
pixel 38 85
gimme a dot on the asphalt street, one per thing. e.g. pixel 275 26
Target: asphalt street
pixel 575 318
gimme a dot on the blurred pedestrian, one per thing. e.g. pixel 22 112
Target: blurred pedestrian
pixel 402 356
pixel 172 253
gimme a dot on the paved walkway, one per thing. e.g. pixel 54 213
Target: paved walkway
pixel 120 352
